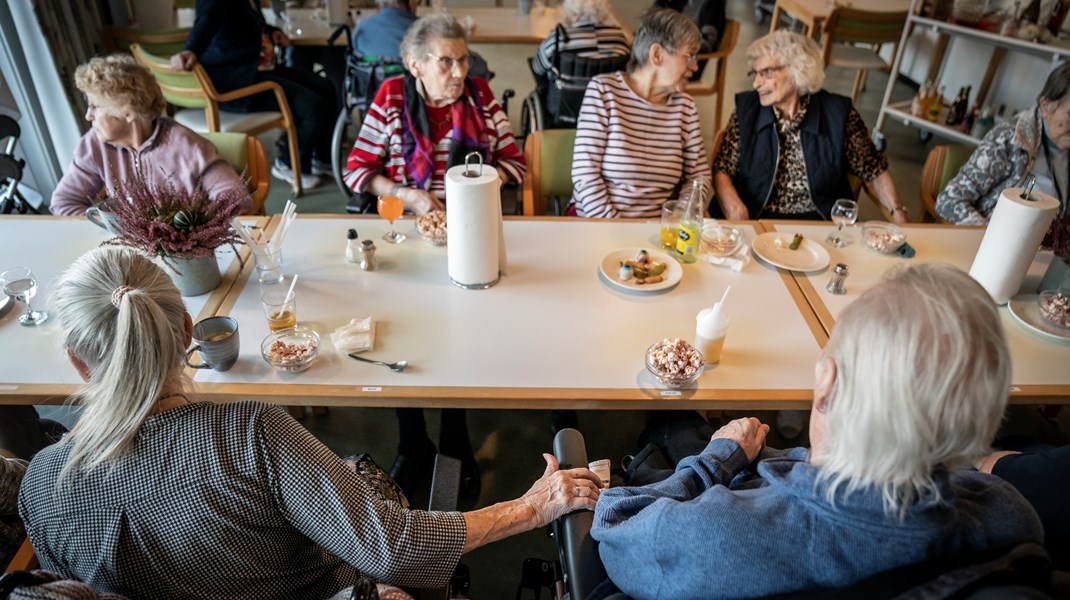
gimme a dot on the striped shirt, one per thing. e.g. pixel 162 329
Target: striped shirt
pixel 586 40
pixel 631 155
pixel 378 146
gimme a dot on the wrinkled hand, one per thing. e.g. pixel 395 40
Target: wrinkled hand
pixel 420 201
pixel 184 60
pixel 748 432
pixel 558 493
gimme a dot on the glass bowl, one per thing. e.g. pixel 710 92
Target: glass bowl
pixel 1055 307
pixel 675 371
pixel 434 240
pixel 291 350
pixel 432 227
pixel 882 238
pixel 722 240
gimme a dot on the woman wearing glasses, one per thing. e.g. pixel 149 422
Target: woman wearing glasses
pixel 423 123
pixel 789 145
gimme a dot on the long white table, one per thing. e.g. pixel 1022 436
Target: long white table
pixel 1040 373
pixel 33 364
pixel 551 334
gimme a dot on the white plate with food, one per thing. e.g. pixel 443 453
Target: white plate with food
pixel 662 270
pixel 1026 311
pixel 775 249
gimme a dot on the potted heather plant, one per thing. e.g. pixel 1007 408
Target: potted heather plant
pixel 181 227
pixel 1058 239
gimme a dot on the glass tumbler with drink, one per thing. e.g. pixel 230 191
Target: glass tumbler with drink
pixel 844 212
pixel 390 208
pixel 20 284
pixel 280 307
pixel 671 212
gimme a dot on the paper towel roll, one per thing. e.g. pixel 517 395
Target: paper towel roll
pixel 1014 232
pixel 473 220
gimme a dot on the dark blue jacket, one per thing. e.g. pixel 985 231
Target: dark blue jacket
pixel 226 39
pixel 823 133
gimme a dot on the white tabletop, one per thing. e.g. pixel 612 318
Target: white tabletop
pixel 552 333
pixel 33 364
pixel 1039 366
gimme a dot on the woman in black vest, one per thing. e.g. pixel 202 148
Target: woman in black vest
pixel 790 145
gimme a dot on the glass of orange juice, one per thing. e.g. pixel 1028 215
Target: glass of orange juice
pixel 390 208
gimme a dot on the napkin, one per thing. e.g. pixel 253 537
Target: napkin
pixel 736 261
pixel 356 336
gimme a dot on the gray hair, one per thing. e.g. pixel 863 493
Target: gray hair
pixel 922 376
pixel 584 11
pixel 797 53
pixel 665 27
pixel 131 350
pixel 438 25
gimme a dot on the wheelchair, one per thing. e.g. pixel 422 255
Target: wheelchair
pixel 558 95
pixel 11 168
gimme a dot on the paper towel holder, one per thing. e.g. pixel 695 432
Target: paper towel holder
pixel 1027 191
pixel 468 172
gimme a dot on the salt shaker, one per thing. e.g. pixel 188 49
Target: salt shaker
pixel 367 256
pixel 352 246
pixel 836 282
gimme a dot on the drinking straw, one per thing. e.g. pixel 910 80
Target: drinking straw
pixel 293 284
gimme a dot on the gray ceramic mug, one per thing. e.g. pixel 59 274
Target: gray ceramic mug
pixel 216 338
pixel 102 216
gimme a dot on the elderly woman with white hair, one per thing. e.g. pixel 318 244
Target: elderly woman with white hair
pixel 589 32
pixel 789 146
pixel 910 389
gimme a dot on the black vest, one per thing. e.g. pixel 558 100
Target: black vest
pixel 823 137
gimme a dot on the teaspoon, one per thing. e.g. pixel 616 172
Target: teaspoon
pixel 396 367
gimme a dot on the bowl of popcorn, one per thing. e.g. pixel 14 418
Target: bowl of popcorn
pixel 291 350
pixel 432 227
pixel 722 240
pixel 1055 307
pixel 882 238
pixel 674 362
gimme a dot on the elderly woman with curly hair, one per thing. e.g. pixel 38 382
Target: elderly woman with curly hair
pixel 789 146
pixel 590 32
pixel 130 138
pixel 638 137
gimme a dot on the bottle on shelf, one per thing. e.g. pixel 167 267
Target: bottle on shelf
pixel 1059 9
pixel 936 105
pixel 957 111
pixel 687 243
pixel 918 107
pixel 1031 13
pixel 968 120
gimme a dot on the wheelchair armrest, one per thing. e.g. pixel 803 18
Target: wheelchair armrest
pixel 579 551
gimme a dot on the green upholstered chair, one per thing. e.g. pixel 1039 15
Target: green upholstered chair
pixel 246 154
pixel 942 164
pixel 548 153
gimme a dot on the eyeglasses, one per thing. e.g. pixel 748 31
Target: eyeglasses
pixel 765 73
pixel 446 63
pixel 691 58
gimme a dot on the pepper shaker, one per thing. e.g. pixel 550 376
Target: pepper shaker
pixel 368 261
pixel 352 246
pixel 836 282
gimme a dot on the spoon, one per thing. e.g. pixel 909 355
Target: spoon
pixel 397 367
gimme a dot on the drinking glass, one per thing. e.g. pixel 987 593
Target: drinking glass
pixel 844 212
pixel 390 208
pixel 20 284
pixel 280 307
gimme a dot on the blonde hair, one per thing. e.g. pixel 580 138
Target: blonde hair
pixel 577 11
pixel 121 81
pixel 922 376
pixel 132 349
pixel 797 53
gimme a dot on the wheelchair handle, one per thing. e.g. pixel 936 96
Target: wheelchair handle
pixel 337 32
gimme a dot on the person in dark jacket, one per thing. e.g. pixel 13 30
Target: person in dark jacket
pixel 227 39
pixel 789 146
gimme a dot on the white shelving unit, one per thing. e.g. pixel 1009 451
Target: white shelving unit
pixel 899 110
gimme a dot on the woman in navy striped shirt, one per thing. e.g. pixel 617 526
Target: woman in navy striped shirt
pixel 638 139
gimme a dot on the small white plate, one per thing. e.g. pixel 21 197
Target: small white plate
pixel 610 268
pixel 1026 310
pixel 811 256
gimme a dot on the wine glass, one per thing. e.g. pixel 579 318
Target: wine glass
pixel 390 208
pixel 844 212
pixel 19 283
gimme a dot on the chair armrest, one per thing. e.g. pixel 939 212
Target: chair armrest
pixel 24 559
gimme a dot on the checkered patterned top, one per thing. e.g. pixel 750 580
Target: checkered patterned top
pixel 229 501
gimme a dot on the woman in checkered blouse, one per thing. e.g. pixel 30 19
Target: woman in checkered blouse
pixel 156 495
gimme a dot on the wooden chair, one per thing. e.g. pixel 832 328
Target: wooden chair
pixel 548 153
pixel 847 27
pixel 164 42
pixel 24 559
pixel 199 110
pixel 246 154
pixel 941 165
pixel 717 64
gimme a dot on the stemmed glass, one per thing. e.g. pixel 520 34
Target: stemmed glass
pixel 390 208
pixel 844 212
pixel 19 283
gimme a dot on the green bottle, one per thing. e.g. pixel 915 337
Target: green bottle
pixel 687 243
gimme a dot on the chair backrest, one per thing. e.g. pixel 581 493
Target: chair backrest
pixel 712 80
pixel 188 89
pixel 941 165
pixel 246 154
pixel 567 84
pixel 365 73
pixel 548 153
pixel 854 26
pixel 165 41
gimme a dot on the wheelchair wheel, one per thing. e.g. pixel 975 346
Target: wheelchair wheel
pixel 532 117
pixel 346 128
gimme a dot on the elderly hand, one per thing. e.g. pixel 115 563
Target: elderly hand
pixel 558 493
pixel 748 432
pixel 184 60
pixel 420 201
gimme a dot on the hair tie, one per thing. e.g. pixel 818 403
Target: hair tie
pixel 117 295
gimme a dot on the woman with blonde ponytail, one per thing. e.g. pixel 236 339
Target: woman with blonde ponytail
pixel 156 495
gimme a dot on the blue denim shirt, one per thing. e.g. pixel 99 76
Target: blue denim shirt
pixel 380 34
